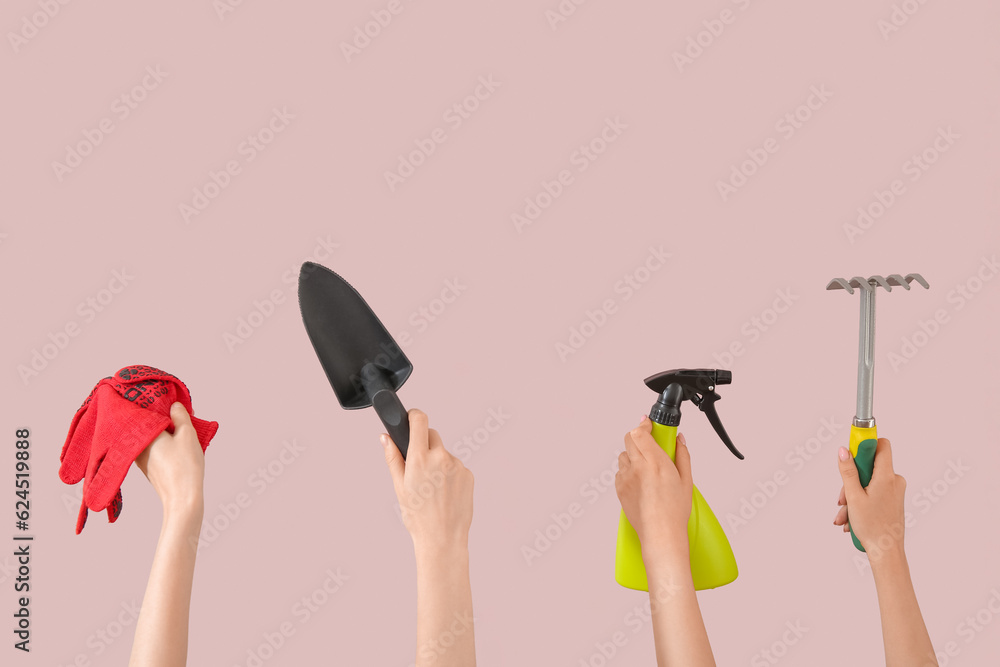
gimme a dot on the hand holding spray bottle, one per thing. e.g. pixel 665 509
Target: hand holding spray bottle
pixel 712 560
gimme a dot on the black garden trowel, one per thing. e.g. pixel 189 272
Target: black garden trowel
pixel 363 363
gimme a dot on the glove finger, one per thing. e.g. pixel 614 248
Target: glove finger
pixel 206 430
pixel 75 453
pixel 110 471
pixel 81 518
pixel 115 508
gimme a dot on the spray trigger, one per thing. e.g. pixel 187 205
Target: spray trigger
pixel 696 385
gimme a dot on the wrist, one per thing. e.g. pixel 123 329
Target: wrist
pixel 668 569
pixel 448 550
pixel 891 558
pixel 184 510
pixel 667 551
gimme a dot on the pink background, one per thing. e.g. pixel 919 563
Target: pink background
pixel 494 347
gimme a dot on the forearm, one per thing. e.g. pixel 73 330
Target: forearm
pixel 904 634
pixel 161 633
pixel 445 635
pixel 678 628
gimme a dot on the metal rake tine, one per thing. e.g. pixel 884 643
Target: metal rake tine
pixel 840 283
pixel 919 278
pixel 882 282
pixel 858 281
pixel 898 281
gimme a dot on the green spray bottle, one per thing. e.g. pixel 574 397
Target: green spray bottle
pixel 712 560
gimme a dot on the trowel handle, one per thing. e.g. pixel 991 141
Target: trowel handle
pixel 863 443
pixel 393 415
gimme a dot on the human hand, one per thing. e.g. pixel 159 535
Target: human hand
pixel 874 512
pixel 655 492
pixel 175 464
pixel 434 489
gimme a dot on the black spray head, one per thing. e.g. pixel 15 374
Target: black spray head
pixel 686 384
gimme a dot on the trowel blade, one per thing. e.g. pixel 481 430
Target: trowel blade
pixel 346 335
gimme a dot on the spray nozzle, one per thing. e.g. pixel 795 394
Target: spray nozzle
pixel 696 385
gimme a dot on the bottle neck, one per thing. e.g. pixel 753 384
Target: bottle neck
pixel 667 409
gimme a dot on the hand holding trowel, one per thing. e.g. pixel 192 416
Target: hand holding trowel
pixel 363 363
pixel 366 368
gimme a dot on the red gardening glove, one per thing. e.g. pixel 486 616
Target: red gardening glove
pixel 121 417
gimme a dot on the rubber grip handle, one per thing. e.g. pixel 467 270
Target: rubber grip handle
pixel 393 415
pixel 863 444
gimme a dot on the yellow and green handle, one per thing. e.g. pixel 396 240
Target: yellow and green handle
pixel 863 443
pixel 712 561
